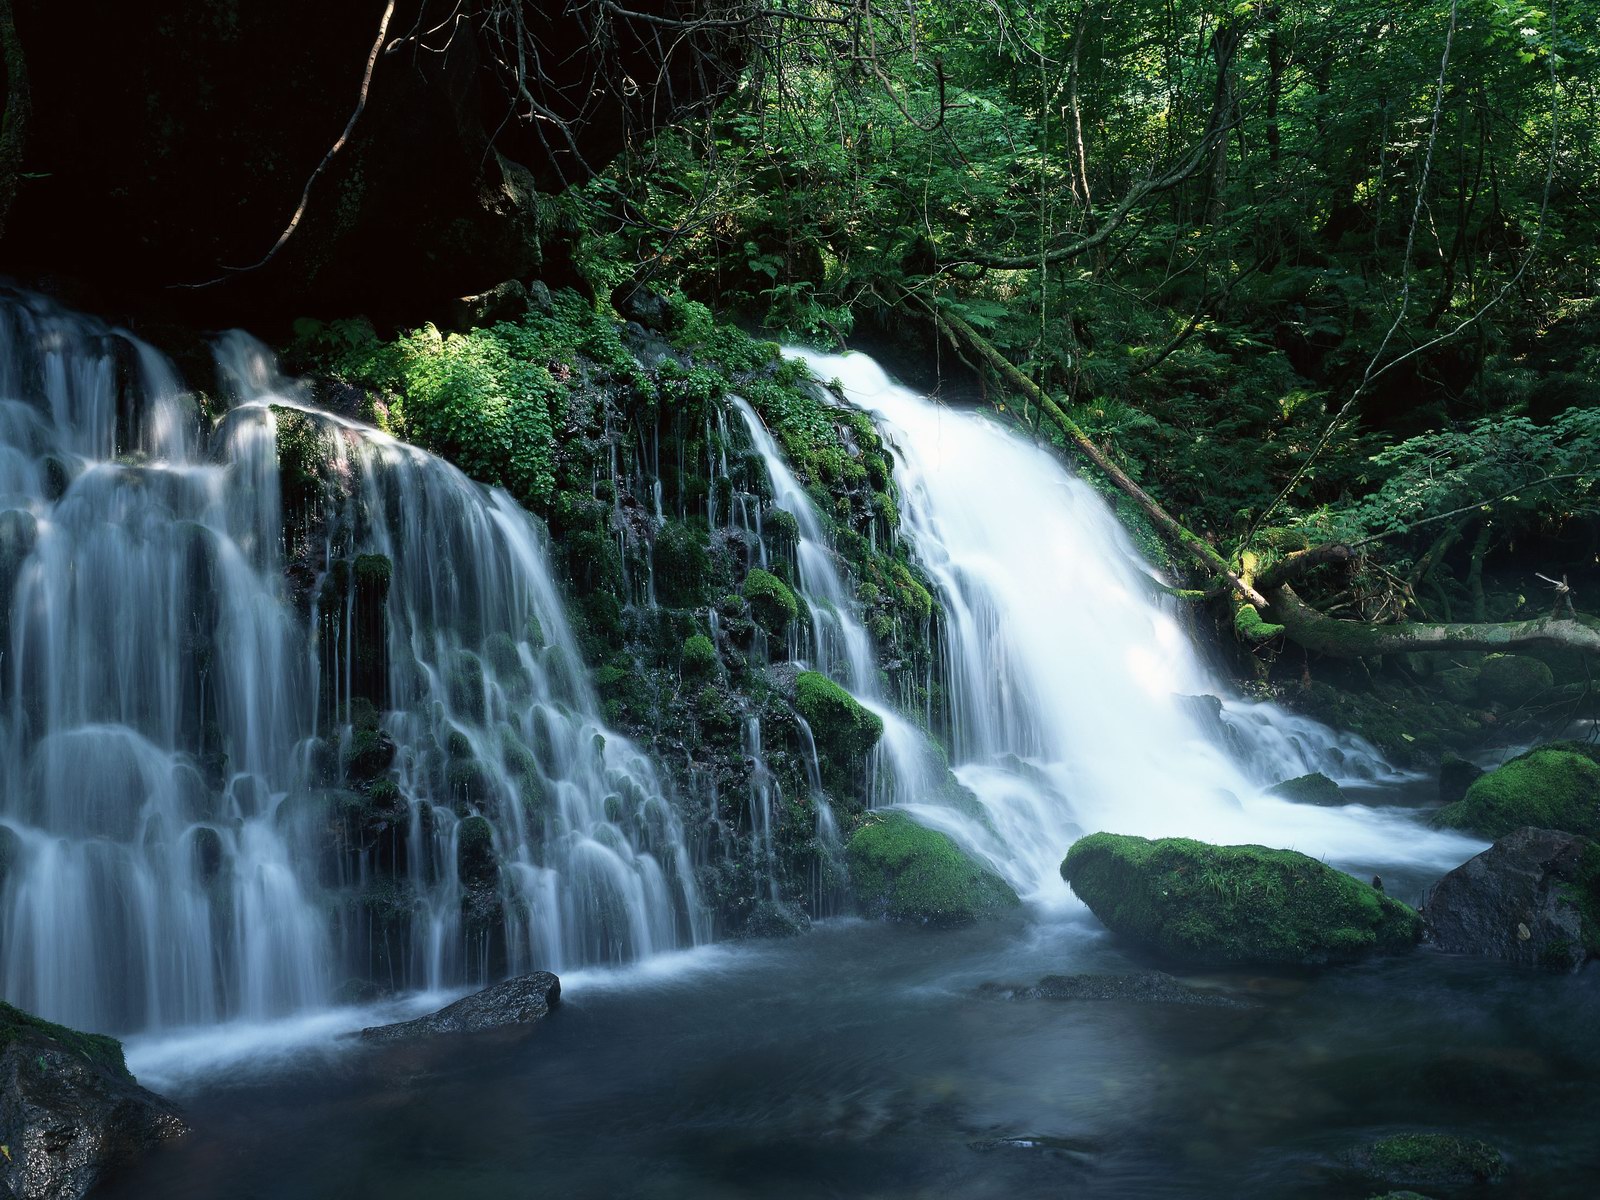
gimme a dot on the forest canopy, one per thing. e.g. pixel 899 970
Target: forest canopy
pixel 1306 275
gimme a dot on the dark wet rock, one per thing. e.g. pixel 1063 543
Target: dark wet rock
pixel 770 919
pixel 1229 906
pixel 70 1113
pixel 1431 1160
pixel 1533 898
pixel 1315 788
pixel 1145 987
pixel 1456 775
pixel 516 1002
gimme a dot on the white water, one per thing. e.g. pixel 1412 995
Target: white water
pixel 176 662
pixel 1066 679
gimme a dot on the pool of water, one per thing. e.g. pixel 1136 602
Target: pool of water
pixel 865 1060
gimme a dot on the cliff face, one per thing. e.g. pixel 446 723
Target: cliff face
pixel 170 145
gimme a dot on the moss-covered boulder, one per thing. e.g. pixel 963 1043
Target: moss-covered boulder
pixel 906 872
pixel 1548 788
pixel 771 602
pixel 844 733
pixel 1221 906
pixel 1315 788
pixel 840 725
pixel 1432 1159
pixel 1512 680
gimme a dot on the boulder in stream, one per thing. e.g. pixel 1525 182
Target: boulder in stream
pixel 1532 898
pixel 1551 787
pixel 70 1113
pixel 1227 906
pixel 1315 788
pixel 1431 1160
pixel 516 1002
pixel 907 872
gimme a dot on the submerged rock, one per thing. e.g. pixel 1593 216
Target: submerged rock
pixel 1223 906
pixel 70 1113
pixel 1532 898
pixel 1315 788
pixel 906 872
pixel 519 1001
pixel 1145 987
pixel 1436 1159
pixel 1552 787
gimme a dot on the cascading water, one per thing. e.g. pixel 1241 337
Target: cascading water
pixel 198 648
pixel 1070 691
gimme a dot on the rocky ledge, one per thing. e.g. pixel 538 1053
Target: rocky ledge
pixel 519 1001
pixel 70 1113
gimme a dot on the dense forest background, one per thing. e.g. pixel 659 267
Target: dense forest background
pixel 1308 287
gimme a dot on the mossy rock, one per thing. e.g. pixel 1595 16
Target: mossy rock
pixel 699 656
pixel 1548 788
pixel 771 602
pixel 1315 788
pixel 1459 684
pixel 96 1048
pixel 1433 1158
pixel 682 566
pixel 840 725
pixel 1512 680
pixel 1223 906
pixel 907 872
pixel 475 859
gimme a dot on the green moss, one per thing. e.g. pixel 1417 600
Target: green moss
pixel 1315 788
pixel 906 872
pixel 374 571
pixel 699 655
pixel 1218 906
pixel 682 566
pixel 1547 788
pixel 1435 1158
pixel 841 727
pixel 95 1048
pixel 771 602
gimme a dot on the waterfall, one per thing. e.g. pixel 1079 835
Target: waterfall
pixel 285 703
pixel 1074 698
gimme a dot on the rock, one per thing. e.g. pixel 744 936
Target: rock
pixel 1315 788
pixel 504 302
pixel 906 872
pixel 770 919
pixel 1225 906
pixel 1145 987
pixel 771 602
pixel 1437 1159
pixel 519 1001
pixel 1532 898
pixel 1512 680
pixel 841 727
pixel 1456 775
pixel 1548 788
pixel 70 1113
pixel 1459 684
